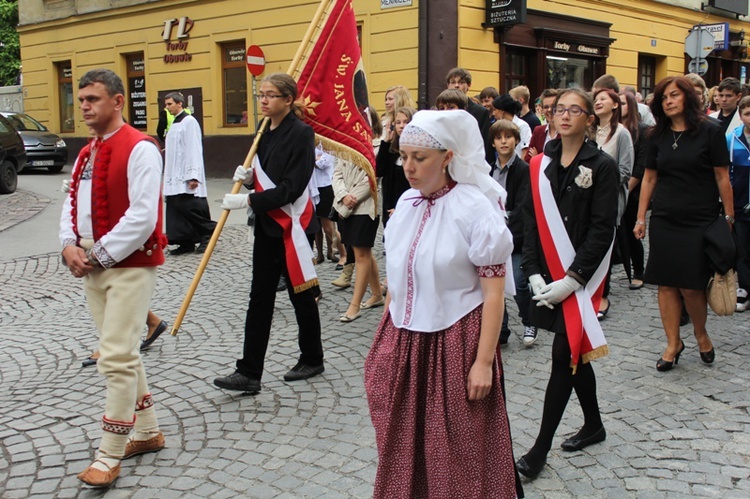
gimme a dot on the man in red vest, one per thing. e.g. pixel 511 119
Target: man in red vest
pixel 110 231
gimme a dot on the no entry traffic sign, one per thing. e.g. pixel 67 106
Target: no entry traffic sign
pixel 256 61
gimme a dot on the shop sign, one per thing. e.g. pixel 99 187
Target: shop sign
pixel 574 48
pixel 505 12
pixel 720 32
pixel 180 43
pixel 389 4
pixel 138 102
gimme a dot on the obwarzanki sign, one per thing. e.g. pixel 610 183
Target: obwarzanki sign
pixel 181 27
pixel 505 12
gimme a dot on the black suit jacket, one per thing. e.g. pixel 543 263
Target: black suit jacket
pixel 517 187
pixel 482 116
pixel 288 160
pixel 589 216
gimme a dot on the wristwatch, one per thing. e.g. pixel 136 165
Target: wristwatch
pixel 729 218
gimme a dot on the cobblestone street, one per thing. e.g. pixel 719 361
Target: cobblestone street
pixel 675 434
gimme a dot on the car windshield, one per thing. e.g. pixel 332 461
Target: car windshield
pixel 25 123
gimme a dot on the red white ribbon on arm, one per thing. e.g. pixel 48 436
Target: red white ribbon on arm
pixel 293 218
pixel 585 335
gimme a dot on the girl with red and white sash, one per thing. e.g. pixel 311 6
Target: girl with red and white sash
pixel 569 228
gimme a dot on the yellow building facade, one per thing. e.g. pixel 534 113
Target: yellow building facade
pixel 198 47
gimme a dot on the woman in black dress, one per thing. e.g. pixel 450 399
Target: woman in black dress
pixel 388 163
pixel 686 174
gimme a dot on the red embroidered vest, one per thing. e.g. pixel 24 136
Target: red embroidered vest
pixel 109 194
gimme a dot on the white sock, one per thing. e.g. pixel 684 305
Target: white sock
pixel 146 426
pixel 111 450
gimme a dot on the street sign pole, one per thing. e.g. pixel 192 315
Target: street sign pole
pixel 255 104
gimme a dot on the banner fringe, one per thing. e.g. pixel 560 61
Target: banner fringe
pixel 596 353
pixel 346 153
pixel 306 285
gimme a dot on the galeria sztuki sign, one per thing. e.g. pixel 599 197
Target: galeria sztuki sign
pixel 505 13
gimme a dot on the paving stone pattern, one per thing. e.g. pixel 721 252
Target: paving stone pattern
pixel 677 434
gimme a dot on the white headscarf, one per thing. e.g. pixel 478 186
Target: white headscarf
pixel 456 131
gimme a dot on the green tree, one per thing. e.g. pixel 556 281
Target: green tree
pixel 10 48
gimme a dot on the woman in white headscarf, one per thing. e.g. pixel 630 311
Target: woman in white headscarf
pixel 434 375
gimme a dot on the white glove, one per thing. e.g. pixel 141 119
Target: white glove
pixel 240 174
pixel 536 282
pixel 234 201
pixel 65 187
pixel 555 292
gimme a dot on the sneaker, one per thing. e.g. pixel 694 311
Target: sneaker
pixel 529 335
pixel 238 382
pixel 303 371
pixel 742 302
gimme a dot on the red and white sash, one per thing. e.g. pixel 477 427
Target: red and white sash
pixel 585 335
pixel 294 218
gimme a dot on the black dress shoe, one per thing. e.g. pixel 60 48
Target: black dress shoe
pixel 157 332
pixel 203 245
pixel 182 249
pixel 527 470
pixel 303 371
pixel 238 382
pixel 576 442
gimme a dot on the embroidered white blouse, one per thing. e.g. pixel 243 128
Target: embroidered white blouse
pixel 436 251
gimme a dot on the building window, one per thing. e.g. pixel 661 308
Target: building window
pixel 234 73
pixel 517 70
pixel 136 91
pixel 65 91
pixel 646 74
pixel 569 72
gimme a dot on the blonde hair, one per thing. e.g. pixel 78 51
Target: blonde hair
pixel 402 99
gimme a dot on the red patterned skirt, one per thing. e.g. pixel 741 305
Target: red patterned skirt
pixel 432 441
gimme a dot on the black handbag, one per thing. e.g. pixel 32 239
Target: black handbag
pixel 721 245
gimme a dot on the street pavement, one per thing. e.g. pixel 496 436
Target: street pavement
pixel 684 433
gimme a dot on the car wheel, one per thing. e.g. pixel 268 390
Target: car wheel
pixel 8 178
pixel 55 168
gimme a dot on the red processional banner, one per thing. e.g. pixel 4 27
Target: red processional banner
pixel 333 89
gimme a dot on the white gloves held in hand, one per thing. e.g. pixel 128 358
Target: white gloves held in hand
pixel 234 202
pixel 536 282
pixel 555 292
pixel 243 175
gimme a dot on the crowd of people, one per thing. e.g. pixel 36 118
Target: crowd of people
pixel 480 198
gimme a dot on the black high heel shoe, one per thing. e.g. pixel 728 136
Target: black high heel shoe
pixel 708 357
pixel 664 365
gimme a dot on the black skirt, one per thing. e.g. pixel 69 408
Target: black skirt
pixel 323 208
pixel 359 231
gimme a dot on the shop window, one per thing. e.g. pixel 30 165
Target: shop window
pixel 234 81
pixel 569 72
pixel 646 74
pixel 65 94
pixel 137 103
pixel 517 70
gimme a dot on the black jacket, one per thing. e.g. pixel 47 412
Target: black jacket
pixel 589 216
pixel 287 155
pixel 517 186
pixel 482 116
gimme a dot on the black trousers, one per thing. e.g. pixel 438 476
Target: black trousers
pixel 268 265
pixel 188 219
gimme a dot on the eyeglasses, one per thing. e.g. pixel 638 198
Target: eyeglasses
pixel 572 110
pixel 267 96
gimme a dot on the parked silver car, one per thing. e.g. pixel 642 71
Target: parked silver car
pixel 44 149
